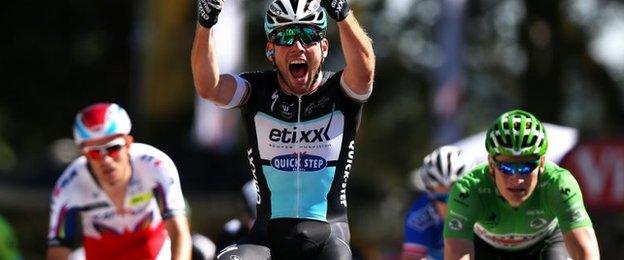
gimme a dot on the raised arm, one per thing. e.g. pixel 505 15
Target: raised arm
pixel 582 243
pixel 357 47
pixel 458 248
pixel 209 84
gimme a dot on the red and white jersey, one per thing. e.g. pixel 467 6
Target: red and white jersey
pixel 153 194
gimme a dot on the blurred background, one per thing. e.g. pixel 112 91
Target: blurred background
pixel 445 70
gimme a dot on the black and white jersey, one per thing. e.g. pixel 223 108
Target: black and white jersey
pixel 301 148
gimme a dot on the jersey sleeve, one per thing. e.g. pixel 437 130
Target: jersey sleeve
pixel 347 90
pixel 419 224
pixel 64 211
pixel 566 197
pixel 240 93
pixel 256 81
pixel 167 189
pixel 463 206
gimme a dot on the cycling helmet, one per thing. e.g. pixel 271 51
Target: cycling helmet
pixel 101 120
pixel 286 12
pixel 443 166
pixel 516 133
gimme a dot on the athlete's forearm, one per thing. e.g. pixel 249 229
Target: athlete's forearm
pixel 457 248
pixel 359 55
pixel 58 253
pixel 178 230
pixel 204 63
pixel 582 243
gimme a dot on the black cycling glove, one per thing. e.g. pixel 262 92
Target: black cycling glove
pixel 336 9
pixel 208 12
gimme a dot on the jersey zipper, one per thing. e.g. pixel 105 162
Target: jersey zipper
pixel 298 151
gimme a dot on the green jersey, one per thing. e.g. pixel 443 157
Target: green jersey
pixel 476 207
pixel 8 242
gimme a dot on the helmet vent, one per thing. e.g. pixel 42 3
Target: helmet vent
pixel 448 165
pixel 281 20
pixel 499 139
pixel 461 169
pixel 307 18
pixel 281 7
pixel 527 141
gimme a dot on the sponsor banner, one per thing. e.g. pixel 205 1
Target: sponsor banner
pixel 598 166
pixel 514 240
pixel 322 137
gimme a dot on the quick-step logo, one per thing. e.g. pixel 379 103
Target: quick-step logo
pixel 298 162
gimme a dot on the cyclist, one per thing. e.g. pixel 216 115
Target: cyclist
pixel 237 228
pixel 425 219
pixel 301 123
pixel 8 241
pixel 127 195
pixel 518 204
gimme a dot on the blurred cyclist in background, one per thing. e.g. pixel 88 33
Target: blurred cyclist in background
pixel 235 229
pixel 301 121
pixel 518 205
pixel 425 219
pixel 126 195
pixel 8 242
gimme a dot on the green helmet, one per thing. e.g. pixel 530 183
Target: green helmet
pixel 516 133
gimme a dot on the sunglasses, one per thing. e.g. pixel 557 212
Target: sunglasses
pixel 438 196
pixel 307 35
pixel 111 149
pixel 522 168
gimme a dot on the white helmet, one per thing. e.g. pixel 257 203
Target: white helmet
pixel 443 166
pixel 286 12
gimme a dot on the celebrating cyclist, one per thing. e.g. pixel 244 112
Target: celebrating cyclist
pixel 301 123
pixel 425 219
pixel 126 195
pixel 518 205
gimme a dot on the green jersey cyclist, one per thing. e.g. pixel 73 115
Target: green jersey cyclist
pixel 518 205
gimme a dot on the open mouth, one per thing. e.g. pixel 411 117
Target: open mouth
pixel 517 191
pixel 298 69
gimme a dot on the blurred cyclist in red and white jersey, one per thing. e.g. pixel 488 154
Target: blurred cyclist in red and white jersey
pixel 126 195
